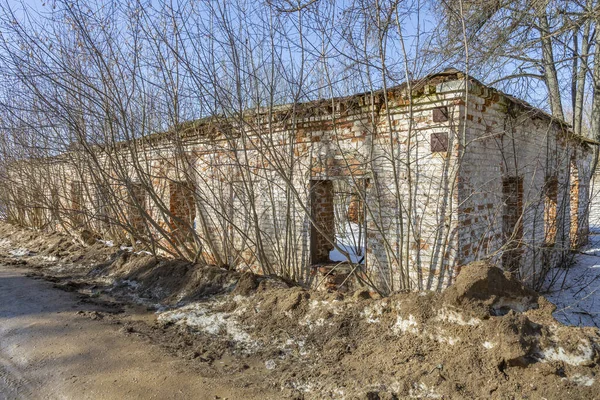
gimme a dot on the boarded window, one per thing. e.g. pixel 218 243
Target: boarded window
pixel 512 221
pixel 322 212
pixel 183 210
pixel 439 142
pixel 440 114
pixel 550 207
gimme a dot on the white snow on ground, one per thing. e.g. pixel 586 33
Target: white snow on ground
pixel 20 252
pixel 583 355
pixel 576 292
pixel 203 317
pixel 348 241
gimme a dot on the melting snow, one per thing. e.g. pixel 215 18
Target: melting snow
pixel 406 325
pixel 350 243
pixel 20 252
pixel 582 380
pixel 421 390
pixel 411 325
pixel 454 317
pixel 576 292
pixel 560 354
pixel 200 315
pixel 372 313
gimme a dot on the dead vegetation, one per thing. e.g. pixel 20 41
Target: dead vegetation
pixel 486 337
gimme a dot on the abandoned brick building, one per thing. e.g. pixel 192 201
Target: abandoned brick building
pixel 407 184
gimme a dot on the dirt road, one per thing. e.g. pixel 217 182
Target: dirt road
pixel 54 346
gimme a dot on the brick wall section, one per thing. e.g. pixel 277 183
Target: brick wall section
pixel 503 141
pixel 434 201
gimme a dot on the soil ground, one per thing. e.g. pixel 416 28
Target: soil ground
pixel 127 325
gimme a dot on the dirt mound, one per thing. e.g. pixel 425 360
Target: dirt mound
pixel 165 280
pixel 246 285
pixel 488 337
pixel 488 290
pixel 50 248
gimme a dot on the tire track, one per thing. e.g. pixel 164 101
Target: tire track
pixel 13 384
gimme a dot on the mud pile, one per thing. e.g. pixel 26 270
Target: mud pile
pixel 114 267
pixel 488 336
pixel 49 248
pixel 164 280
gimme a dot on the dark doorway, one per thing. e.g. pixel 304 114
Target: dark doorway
pixel 322 230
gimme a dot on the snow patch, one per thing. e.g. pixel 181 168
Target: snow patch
pixel 200 316
pixel 410 325
pixel 453 317
pixel 298 343
pixel 421 390
pixel 443 337
pixel 372 313
pixel 585 355
pixel 489 345
pixel 582 380
pixel 406 325
pixel 349 242
pixel 20 252
pixel 576 290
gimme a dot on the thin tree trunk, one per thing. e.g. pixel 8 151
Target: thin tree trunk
pixel 550 74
